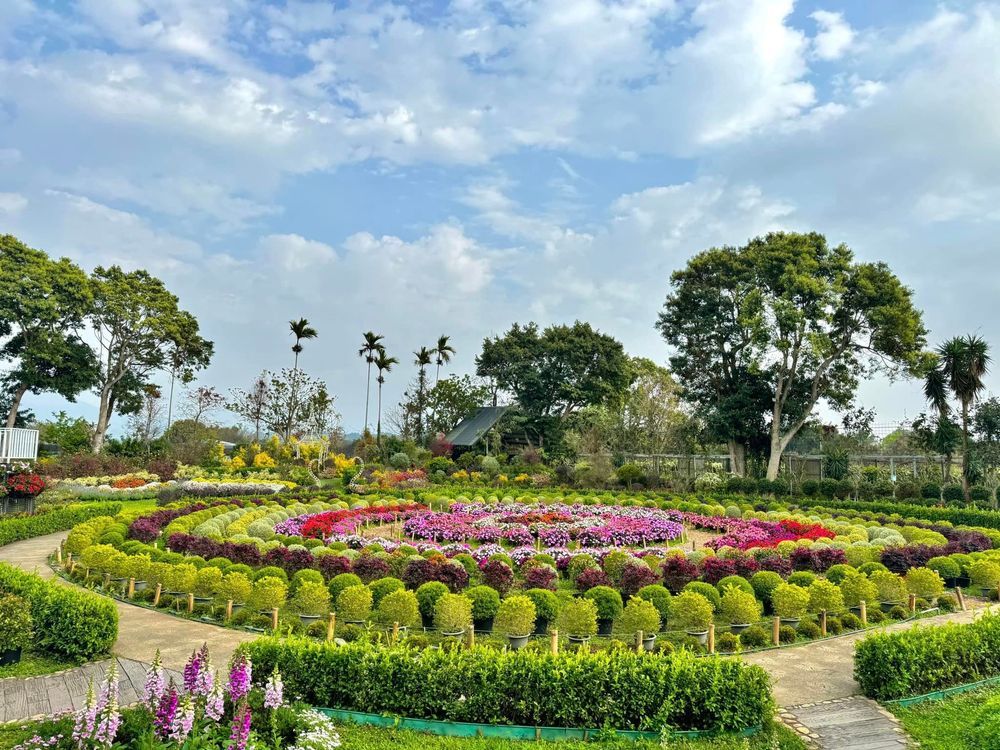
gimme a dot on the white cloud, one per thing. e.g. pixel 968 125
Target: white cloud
pixel 293 253
pixel 835 35
pixel 11 203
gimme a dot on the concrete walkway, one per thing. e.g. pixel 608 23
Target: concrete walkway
pixel 140 631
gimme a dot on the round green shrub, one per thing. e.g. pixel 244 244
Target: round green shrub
pixel 660 598
pixel 738 581
pixel 787 634
pixel 764 583
pixel 638 614
pixel 790 601
pixel 311 599
pixel 15 622
pixel 739 607
pixel 849 621
pixel 691 611
pixel 271 571
pixel 755 637
pixel 608 601
pixel 399 461
pixel 382 587
pixel 803 578
pixel 925 583
pixel 706 590
pixel 945 567
pixel 809 629
pixel 399 606
pixel 578 617
pixel 728 643
pixel 306 574
pixel 428 595
pixel 515 616
pixel 485 602
pixel 354 604
pixel 342 581
pixel 825 595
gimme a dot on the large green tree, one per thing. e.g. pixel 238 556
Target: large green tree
pixel 790 311
pixel 43 305
pixel 554 373
pixel 138 324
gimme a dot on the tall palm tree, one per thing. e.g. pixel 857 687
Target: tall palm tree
pixel 301 330
pixel 962 362
pixel 369 350
pixel 383 363
pixel 424 357
pixel 443 352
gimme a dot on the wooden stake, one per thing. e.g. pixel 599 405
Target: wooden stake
pixel 864 613
pixel 961 599
pixel 156 595
pixel 554 645
pixel 822 623
pixel 107 580
pixel 131 587
pixel 711 638
pixel 470 637
pixel 331 626
pixel 69 562
pixel 190 603
pixel 229 610
pixel 395 632
pixel 776 631
pixel 913 603
pixel 59 555
pixel 274 619
pixel 638 641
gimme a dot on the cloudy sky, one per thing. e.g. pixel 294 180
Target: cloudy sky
pixel 432 167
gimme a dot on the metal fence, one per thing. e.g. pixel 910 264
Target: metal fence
pixel 18 444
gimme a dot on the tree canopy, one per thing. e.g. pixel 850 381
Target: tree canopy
pixel 766 331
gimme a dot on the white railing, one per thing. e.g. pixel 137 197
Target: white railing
pixel 17 444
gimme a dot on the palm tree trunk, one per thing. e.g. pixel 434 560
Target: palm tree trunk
pixel 965 449
pixel 378 429
pixel 368 390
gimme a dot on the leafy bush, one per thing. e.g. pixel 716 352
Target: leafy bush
pixel 925 583
pixel 73 623
pixel 675 690
pixel 858 588
pixel 383 587
pixel 498 575
pixel 890 665
pixel 803 578
pixel 516 616
pixel 809 629
pixel 985 574
pixel 850 621
pixel 399 606
pixel 953 493
pixel 268 593
pixel 708 591
pixel 235 586
pixel 49 521
pixel 660 598
pixel 787 634
pixel 608 601
pixel 738 581
pixel 428 595
pixel 342 581
pixel 891 587
pixel 206 581
pixel 453 613
pixel 638 614
pixel 354 604
pixel 15 622
pixel 546 605
pixel 271 571
pixel 755 637
pixel 578 617
pixel 739 607
pixel 691 611
pixel 825 595
pixel 311 599
pixel 485 602
pixel 810 487
pixel 399 461
pixel 728 643
pixel 764 583
pixel 790 601
pixel 945 567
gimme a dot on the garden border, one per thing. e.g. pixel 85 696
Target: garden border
pixel 938 695
pixel 513 731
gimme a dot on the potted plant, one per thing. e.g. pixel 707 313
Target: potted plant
pixel 516 619
pixel 268 593
pixel 485 603
pixel 985 575
pixel 427 596
pixel 546 608
pixel 642 616
pixel 138 569
pixel 609 607
pixel 234 587
pixel 739 609
pixel 354 605
pixel 692 612
pixel 15 628
pixel 947 568
pixel 857 588
pixel 825 596
pixel 925 583
pixel 180 580
pixel 400 606
pixel 578 620
pixel 312 601
pixel 453 614
pixel 659 596
pixel 206 581
pixel 891 589
pixel 790 603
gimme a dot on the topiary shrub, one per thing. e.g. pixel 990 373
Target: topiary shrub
pixel 738 607
pixel 691 611
pixel 980 495
pixel 858 588
pixel 899 612
pixel 485 603
pixel 891 587
pixel 578 618
pixel 638 615
pixel 931 491
pixel 342 581
pixel 268 593
pixel 953 493
pixel 728 643
pixel 235 587
pixel 787 634
pixel 947 603
pixel 764 583
pixel 399 606
pixel 809 487
pixel 825 595
pixel 660 598
pixel 300 577
pixel 15 623
pixel 498 575
pixel 809 629
pixel 271 571
pixel 706 590
pixel 834 626
pixel 985 574
pixel 838 573
pixel 738 581
pixel 453 614
pixel 383 587
pixel 399 461
pixel 789 601
pixel 354 604
pixel 925 583
pixel 755 637
pixel 850 621
pixel 945 567
pixel 428 595
pixel 515 616
pixel 311 599
pixel 803 578
pixel 608 601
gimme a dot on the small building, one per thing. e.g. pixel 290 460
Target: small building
pixel 473 428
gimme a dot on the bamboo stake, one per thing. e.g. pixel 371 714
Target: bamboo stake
pixel 554 645
pixel 131 588
pixel 638 642
pixel 961 599
pixel 331 626
pixel 229 610
pixel 274 619
pixel 156 595
pixel 822 623
pixel 864 613
pixel 776 631
pixel 913 604
pixel 711 638
pixel 190 603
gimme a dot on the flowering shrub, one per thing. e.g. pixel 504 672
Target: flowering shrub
pixel 24 485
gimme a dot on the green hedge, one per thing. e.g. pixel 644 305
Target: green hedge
pixel 917 661
pixel 619 689
pixel 76 624
pixel 989 519
pixel 48 522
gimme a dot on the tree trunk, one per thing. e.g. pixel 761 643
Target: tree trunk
pixel 778 445
pixel 170 401
pixel 103 418
pixel 965 450
pixel 15 404
pixel 368 390
pixel 378 429
pixel 737 458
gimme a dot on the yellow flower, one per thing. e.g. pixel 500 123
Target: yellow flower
pixel 237 463
pixel 264 461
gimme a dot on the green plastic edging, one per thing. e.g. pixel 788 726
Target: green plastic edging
pixel 938 695
pixel 506 731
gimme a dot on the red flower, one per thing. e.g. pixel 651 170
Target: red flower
pixel 25 485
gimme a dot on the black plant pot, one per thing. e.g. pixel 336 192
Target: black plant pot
pixel 427 621
pixel 483 626
pixel 541 627
pixel 10 656
pixel 604 627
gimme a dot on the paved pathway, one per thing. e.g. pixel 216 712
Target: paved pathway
pixel 854 723
pixel 35 697
pixel 140 631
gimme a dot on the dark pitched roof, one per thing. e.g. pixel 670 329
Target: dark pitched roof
pixel 468 432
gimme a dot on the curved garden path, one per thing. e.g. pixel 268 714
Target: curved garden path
pixel 813 683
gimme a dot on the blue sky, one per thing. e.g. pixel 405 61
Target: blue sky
pixel 451 167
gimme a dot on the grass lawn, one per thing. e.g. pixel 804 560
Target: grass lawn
pixel 970 721
pixel 33 664
pixel 779 738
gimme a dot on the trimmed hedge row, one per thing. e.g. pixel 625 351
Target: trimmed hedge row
pixel 921 660
pixel 989 519
pixel 47 522
pixel 77 624
pixel 620 689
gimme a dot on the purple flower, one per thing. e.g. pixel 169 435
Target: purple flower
pixel 240 674
pixel 274 691
pixel 163 722
pixel 86 718
pixel 155 683
pixel 205 680
pixel 240 732
pixel 215 702
pixel 180 727
pixel 191 672
pixel 97 723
